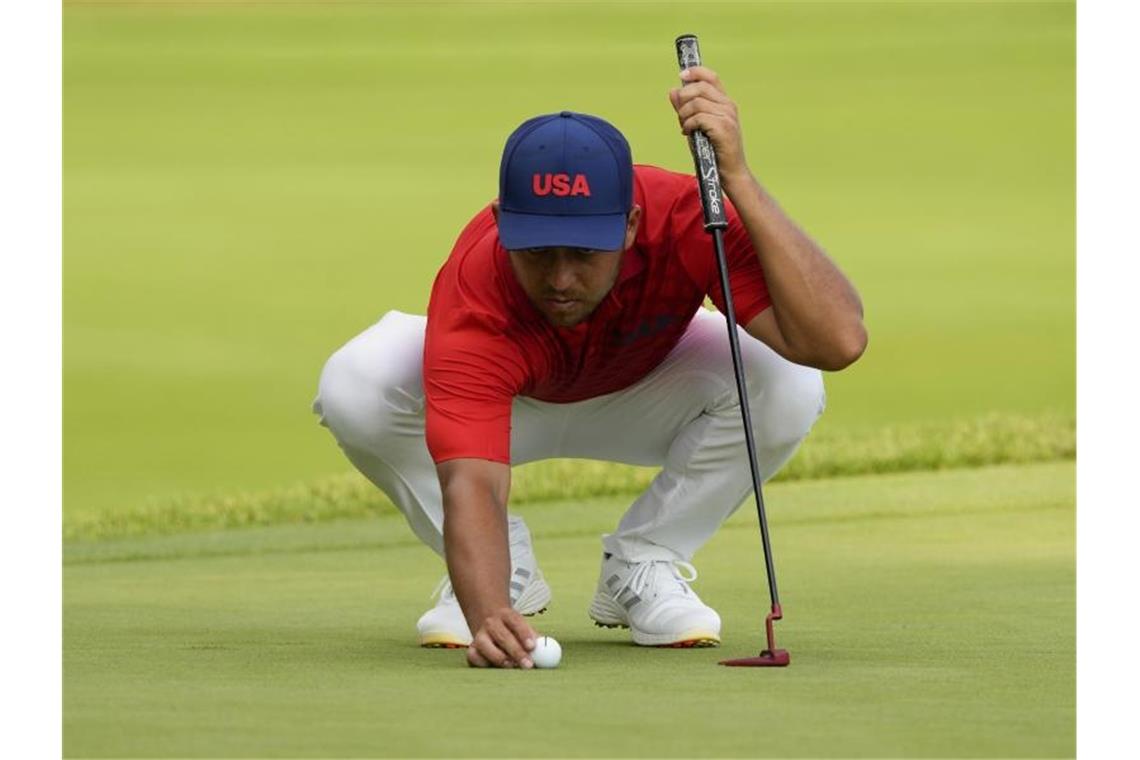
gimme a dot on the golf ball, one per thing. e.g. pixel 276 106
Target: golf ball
pixel 546 653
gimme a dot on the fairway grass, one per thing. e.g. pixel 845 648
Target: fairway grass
pixel 928 615
pixel 993 439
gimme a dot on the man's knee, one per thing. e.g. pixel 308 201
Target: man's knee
pixel 785 403
pixel 371 382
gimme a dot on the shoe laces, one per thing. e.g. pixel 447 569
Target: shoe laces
pixel 646 573
pixel 443 589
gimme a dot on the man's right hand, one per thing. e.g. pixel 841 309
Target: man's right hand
pixel 504 640
pixel 476 544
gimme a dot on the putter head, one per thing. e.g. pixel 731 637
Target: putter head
pixel 769 658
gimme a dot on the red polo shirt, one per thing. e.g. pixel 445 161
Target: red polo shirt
pixel 487 343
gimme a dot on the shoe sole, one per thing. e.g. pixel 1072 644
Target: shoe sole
pixel 690 640
pixel 448 640
pixel 696 639
pixel 441 641
pixel 533 601
pixel 606 613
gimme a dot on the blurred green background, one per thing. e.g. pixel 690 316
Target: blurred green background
pixel 246 186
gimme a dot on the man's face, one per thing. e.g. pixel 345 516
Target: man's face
pixel 567 284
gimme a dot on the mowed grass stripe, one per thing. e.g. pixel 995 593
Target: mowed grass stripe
pixel 946 634
pixel 988 440
pixel 858 500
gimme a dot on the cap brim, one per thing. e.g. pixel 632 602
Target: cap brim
pixel 600 232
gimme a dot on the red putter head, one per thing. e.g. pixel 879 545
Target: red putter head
pixel 770 657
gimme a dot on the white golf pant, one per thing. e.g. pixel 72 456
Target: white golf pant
pixel 684 416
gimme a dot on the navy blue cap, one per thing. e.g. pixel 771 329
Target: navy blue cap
pixel 566 180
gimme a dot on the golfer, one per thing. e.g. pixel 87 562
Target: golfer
pixel 568 322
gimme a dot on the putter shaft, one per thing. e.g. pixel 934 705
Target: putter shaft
pixel 742 389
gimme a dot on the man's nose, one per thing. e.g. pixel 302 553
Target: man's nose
pixel 560 276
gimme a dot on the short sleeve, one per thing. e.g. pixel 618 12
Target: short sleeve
pixel 471 376
pixel 745 276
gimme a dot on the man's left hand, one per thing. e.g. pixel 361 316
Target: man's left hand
pixel 701 103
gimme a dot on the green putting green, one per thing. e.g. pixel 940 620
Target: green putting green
pixel 928 615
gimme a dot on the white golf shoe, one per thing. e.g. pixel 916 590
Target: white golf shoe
pixel 654 601
pixel 444 626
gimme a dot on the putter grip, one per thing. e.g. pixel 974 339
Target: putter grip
pixel 704 157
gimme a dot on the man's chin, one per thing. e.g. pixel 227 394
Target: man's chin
pixel 563 320
pixel 566 317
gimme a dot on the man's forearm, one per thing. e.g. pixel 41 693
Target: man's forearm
pixel 476 546
pixel 816 317
pixel 816 308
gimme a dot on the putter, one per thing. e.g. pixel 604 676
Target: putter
pixel 708 180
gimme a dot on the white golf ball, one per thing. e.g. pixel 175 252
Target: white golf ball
pixel 547 653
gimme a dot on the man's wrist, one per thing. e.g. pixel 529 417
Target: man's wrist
pixel 483 612
pixel 737 183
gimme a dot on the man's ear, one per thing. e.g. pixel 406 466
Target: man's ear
pixel 495 209
pixel 631 225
